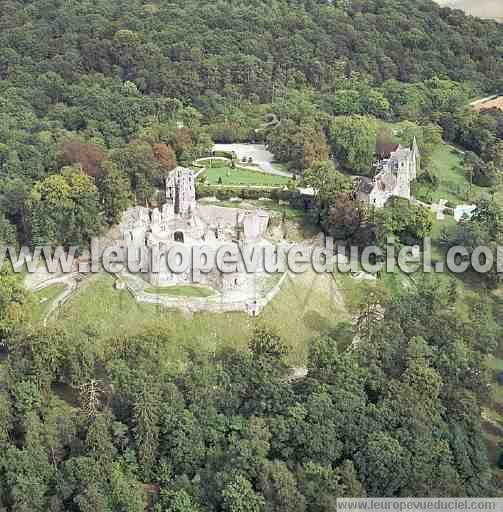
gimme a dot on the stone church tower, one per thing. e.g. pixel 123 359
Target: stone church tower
pixel 181 191
pixel 396 168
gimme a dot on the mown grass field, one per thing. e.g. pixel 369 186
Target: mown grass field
pixel 223 175
pixel 307 306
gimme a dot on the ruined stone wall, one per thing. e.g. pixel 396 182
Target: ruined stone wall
pixel 213 304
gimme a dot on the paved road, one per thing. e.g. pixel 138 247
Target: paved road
pixel 271 170
pixel 262 158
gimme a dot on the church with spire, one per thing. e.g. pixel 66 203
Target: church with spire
pixel 396 168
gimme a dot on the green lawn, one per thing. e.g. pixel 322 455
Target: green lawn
pixel 438 252
pixel 306 307
pixel 447 165
pixel 241 177
pixel 495 365
pixel 182 291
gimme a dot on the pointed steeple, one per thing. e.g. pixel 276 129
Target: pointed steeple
pixel 416 164
pixel 415 147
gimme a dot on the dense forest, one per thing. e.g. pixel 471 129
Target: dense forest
pixel 99 101
pixel 124 90
pixel 397 415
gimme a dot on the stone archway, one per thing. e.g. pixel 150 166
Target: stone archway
pixel 179 237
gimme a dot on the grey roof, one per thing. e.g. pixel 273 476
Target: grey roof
pixel 365 185
pixel 402 154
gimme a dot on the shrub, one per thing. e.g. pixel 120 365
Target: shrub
pixel 246 193
pixel 231 155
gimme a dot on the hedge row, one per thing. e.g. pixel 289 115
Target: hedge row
pixel 225 154
pixel 224 193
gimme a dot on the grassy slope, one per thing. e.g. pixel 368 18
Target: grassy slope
pixel 451 164
pixel 303 309
pixel 42 301
pixel 182 291
pixel 493 416
pixel 448 167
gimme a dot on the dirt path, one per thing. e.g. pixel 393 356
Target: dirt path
pixel 71 283
pixel 494 101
